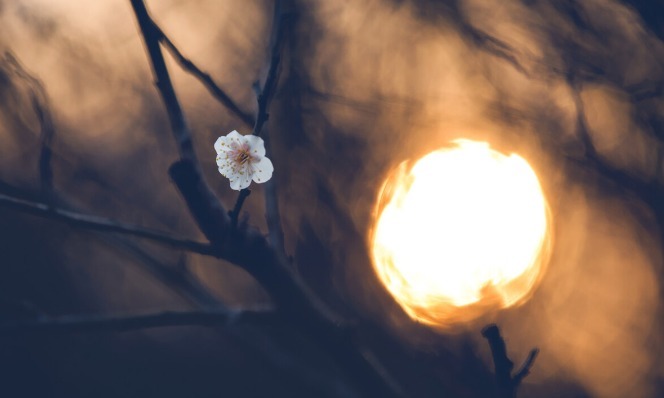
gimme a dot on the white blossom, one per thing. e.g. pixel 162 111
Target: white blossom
pixel 241 158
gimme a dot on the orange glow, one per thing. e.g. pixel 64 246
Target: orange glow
pixel 462 232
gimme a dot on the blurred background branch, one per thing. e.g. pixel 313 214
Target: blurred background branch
pixel 124 323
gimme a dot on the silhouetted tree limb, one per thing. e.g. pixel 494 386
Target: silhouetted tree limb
pixel 265 92
pixel 151 37
pixel 248 248
pixel 205 79
pixel 123 323
pixel 524 370
pixel 184 284
pixel 101 224
pixel 507 384
pixel 237 208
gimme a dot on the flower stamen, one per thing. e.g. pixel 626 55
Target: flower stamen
pixel 242 157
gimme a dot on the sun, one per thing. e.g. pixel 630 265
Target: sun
pixel 462 232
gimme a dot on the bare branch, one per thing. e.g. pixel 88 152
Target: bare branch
pixel 184 284
pixel 93 323
pixel 494 46
pixel 219 94
pixel 209 214
pixel 101 224
pixel 266 92
pixel 507 385
pixel 248 248
pixel 235 213
pixel 525 368
pixel 151 36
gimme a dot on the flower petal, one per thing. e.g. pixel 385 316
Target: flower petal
pixel 241 179
pixel 262 170
pixel 226 170
pixel 234 134
pixel 220 144
pixel 256 146
pixel 224 142
pixel 225 162
pixel 235 140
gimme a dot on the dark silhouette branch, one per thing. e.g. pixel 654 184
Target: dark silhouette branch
pixel 101 224
pixel 151 37
pixel 506 383
pixel 92 323
pixel 219 94
pixel 235 213
pixel 266 91
pixel 524 370
pixel 248 248
pixel 184 284
pixel 493 46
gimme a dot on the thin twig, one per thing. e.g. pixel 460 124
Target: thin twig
pixel 506 383
pixel 219 94
pixel 266 92
pixel 235 213
pixel 151 37
pixel 123 323
pixel 102 224
pixel 525 368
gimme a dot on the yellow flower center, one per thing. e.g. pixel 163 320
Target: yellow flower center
pixel 242 156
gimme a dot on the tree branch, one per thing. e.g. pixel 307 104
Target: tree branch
pixel 506 383
pixel 184 284
pixel 151 37
pixel 219 94
pixel 249 249
pixel 266 92
pixel 92 323
pixel 235 213
pixel 525 368
pixel 102 224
